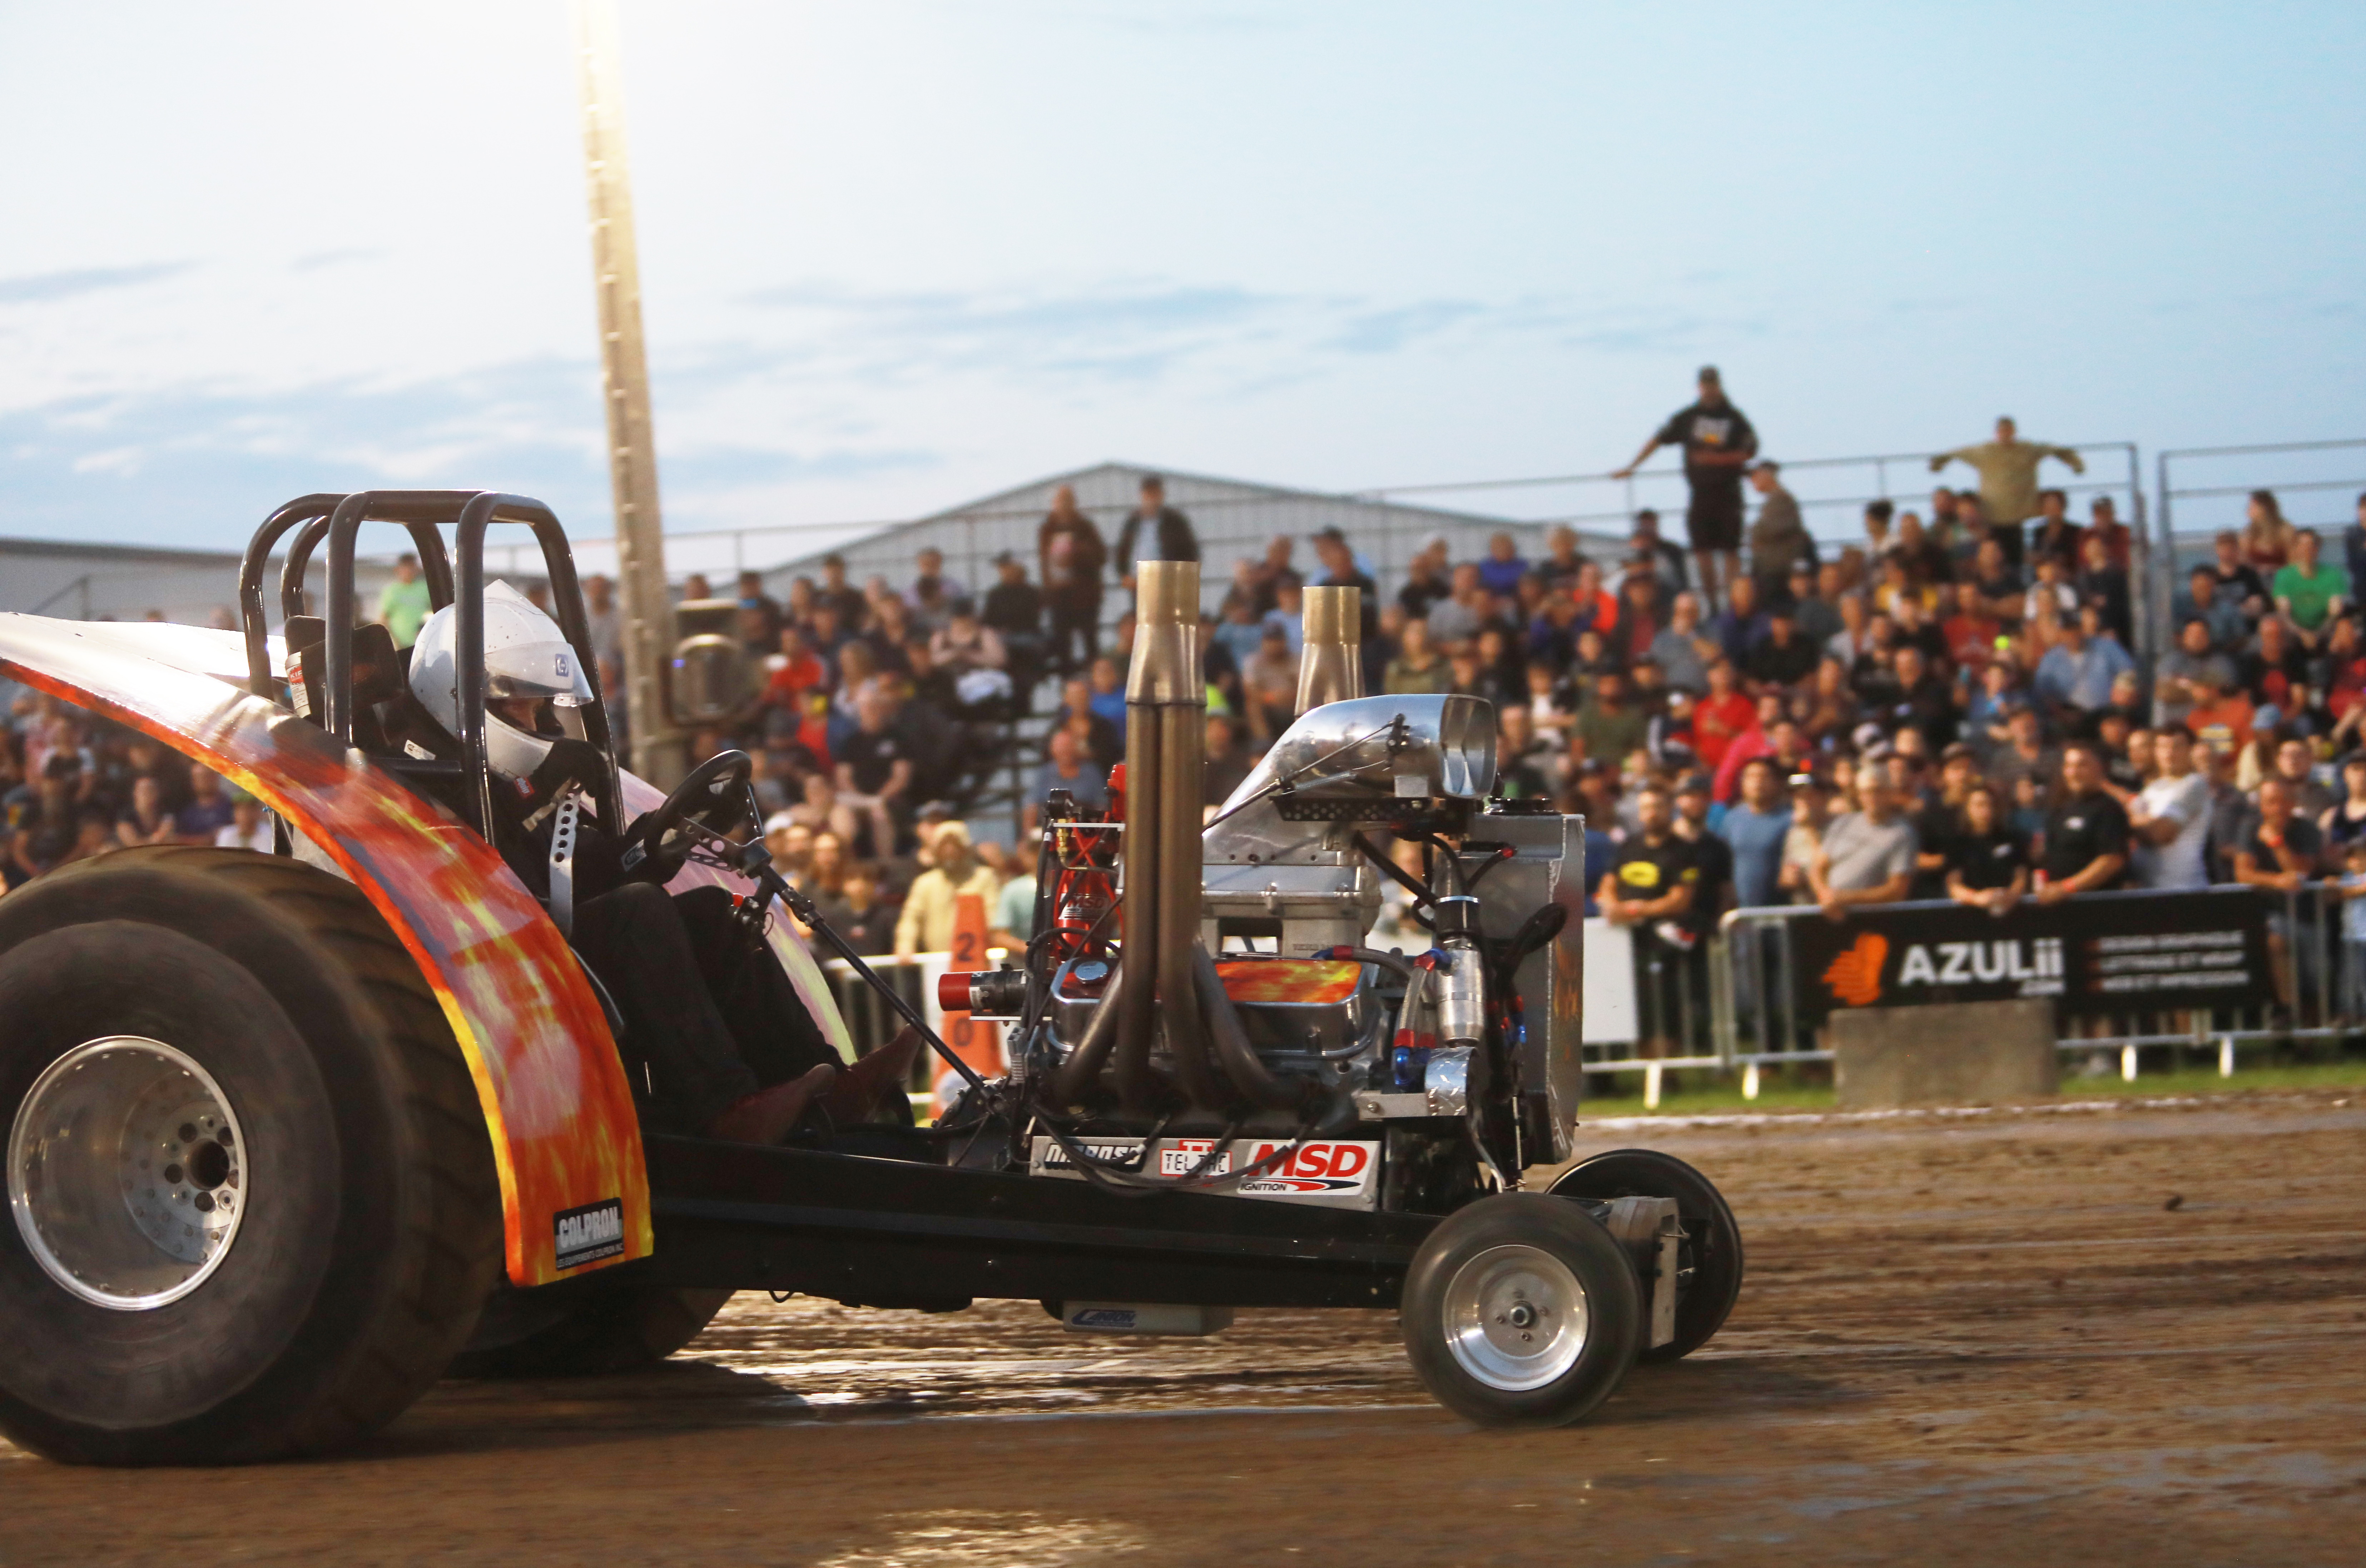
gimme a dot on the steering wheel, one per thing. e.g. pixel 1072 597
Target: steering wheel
pixel 714 795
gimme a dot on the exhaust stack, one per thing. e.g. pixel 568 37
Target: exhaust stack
pixel 1331 667
pixel 1165 768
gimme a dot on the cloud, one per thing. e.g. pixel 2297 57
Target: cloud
pixel 1385 332
pixel 320 259
pixel 44 286
pixel 200 464
pixel 1129 331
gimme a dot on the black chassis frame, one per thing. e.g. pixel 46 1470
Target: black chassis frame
pixel 890 1226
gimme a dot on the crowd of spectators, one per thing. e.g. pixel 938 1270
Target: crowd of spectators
pixel 72 787
pixel 1947 708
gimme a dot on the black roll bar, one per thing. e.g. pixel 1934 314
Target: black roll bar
pixel 314 514
pixel 435 564
pixel 566 601
pixel 303 509
pixel 335 520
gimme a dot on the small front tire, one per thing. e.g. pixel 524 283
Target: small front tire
pixel 1520 1310
pixel 1709 1261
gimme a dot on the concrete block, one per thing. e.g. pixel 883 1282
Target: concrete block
pixel 1959 1054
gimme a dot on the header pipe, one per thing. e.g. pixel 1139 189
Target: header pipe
pixel 1331 666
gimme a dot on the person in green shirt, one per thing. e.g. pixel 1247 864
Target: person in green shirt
pixel 402 605
pixel 1419 669
pixel 1610 725
pixel 2309 594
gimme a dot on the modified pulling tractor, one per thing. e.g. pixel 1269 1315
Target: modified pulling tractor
pixel 290 1136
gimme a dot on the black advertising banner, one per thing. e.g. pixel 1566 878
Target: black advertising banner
pixel 2098 953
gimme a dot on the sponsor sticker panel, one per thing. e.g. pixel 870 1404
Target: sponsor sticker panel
pixel 2101 954
pixel 1336 1173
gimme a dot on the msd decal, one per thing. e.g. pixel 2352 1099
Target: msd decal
pixel 1313 1169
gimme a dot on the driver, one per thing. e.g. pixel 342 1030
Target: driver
pixel 714 1030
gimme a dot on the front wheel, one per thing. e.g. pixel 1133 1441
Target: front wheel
pixel 1521 1311
pixel 1708 1261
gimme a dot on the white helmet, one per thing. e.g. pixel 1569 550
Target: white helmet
pixel 525 655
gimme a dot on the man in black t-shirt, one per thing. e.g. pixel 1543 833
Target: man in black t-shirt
pixel 875 771
pixel 1939 822
pixel 2086 833
pixel 2280 852
pixel 1783 658
pixel 1712 856
pixel 2238 585
pixel 1652 887
pixel 1716 441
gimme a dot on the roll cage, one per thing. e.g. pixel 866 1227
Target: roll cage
pixel 335 520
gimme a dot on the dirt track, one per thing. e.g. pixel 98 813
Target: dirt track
pixel 1963 1339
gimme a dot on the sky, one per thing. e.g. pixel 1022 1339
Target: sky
pixel 899 255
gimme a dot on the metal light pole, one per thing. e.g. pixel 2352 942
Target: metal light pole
pixel 643 604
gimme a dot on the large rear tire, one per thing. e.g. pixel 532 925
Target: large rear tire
pixel 598 1324
pixel 1521 1310
pixel 1709 1261
pixel 255 1210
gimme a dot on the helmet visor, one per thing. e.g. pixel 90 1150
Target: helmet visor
pixel 550 672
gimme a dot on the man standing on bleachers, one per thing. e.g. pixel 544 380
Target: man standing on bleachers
pixel 1153 531
pixel 1716 441
pixel 2008 471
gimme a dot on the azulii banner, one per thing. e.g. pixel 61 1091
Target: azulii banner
pixel 2097 952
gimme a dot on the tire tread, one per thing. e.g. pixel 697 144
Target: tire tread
pixel 455 1244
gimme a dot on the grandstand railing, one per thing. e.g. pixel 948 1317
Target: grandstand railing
pixel 2203 488
pixel 1833 493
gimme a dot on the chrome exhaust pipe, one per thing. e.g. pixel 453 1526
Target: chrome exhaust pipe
pixel 1165 768
pixel 1331 665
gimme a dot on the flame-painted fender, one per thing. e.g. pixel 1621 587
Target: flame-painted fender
pixel 559 1109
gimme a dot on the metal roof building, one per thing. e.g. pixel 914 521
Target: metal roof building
pixel 78 581
pixel 1232 518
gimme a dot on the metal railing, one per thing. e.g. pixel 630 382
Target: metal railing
pixel 1833 493
pixel 2309 469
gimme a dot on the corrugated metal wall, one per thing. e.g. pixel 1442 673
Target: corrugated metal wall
pixel 123 582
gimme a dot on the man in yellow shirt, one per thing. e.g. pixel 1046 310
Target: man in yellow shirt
pixel 2008 471
pixel 927 922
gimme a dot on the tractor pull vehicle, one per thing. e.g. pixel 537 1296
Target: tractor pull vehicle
pixel 289 1136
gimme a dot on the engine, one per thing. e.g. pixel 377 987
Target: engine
pixel 1201 999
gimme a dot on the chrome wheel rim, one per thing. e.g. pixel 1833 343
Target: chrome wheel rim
pixel 128 1173
pixel 1515 1318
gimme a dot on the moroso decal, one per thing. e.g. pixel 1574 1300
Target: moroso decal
pixel 590 1234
